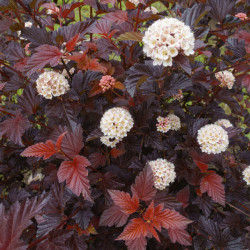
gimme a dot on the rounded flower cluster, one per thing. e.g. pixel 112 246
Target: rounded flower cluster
pixel 224 122
pixel 115 124
pixel 152 9
pixel 51 84
pixel 241 16
pixel 178 96
pixel 106 82
pixel 165 38
pixel 213 139
pixel 166 123
pixel 175 122
pixel 226 78
pixel 246 174
pixel 36 177
pixel 163 124
pixel 163 172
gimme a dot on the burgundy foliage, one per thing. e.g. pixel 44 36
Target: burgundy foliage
pixel 87 195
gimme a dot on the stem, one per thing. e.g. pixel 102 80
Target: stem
pixel 117 93
pixel 137 17
pixel 231 26
pixel 59 226
pixel 91 16
pixel 9 18
pixel 80 13
pixel 239 210
pixel 65 66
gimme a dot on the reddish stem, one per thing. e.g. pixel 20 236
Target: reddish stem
pixel 137 17
pixel 231 26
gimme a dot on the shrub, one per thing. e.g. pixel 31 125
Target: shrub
pixel 124 123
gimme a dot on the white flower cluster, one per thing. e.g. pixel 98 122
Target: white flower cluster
pixel 166 123
pixel 213 139
pixel 175 122
pixel 152 9
pixel 51 83
pixel 224 122
pixel 165 38
pixel 36 177
pixel 246 174
pixel 226 78
pixel 163 172
pixel 115 124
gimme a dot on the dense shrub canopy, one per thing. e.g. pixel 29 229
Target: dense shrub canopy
pixel 124 124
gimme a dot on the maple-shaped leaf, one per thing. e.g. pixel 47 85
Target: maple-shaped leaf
pixel 212 184
pixel 127 204
pixel 75 174
pixel 180 235
pixel 117 16
pixel 135 229
pixel 86 63
pixel 72 142
pixel 113 216
pixel 97 159
pixel 101 27
pixel 45 54
pixel 70 45
pixel 16 219
pixel 45 150
pixel 144 185
pixel 14 128
pixel 169 218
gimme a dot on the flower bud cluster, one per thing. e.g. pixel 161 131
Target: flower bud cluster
pixel 107 82
pixel 166 38
pixel 51 83
pixel 213 139
pixel 135 2
pixel 166 123
pixel 226 79
pixel 241 16
pixel 163 172
pixel 178 96
pixel 115 124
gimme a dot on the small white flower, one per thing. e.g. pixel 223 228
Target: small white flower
pixel 224 122
pixel 246 174
pixel 110 141
pixel 163 172
pixel 213 139
pixel 152 9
